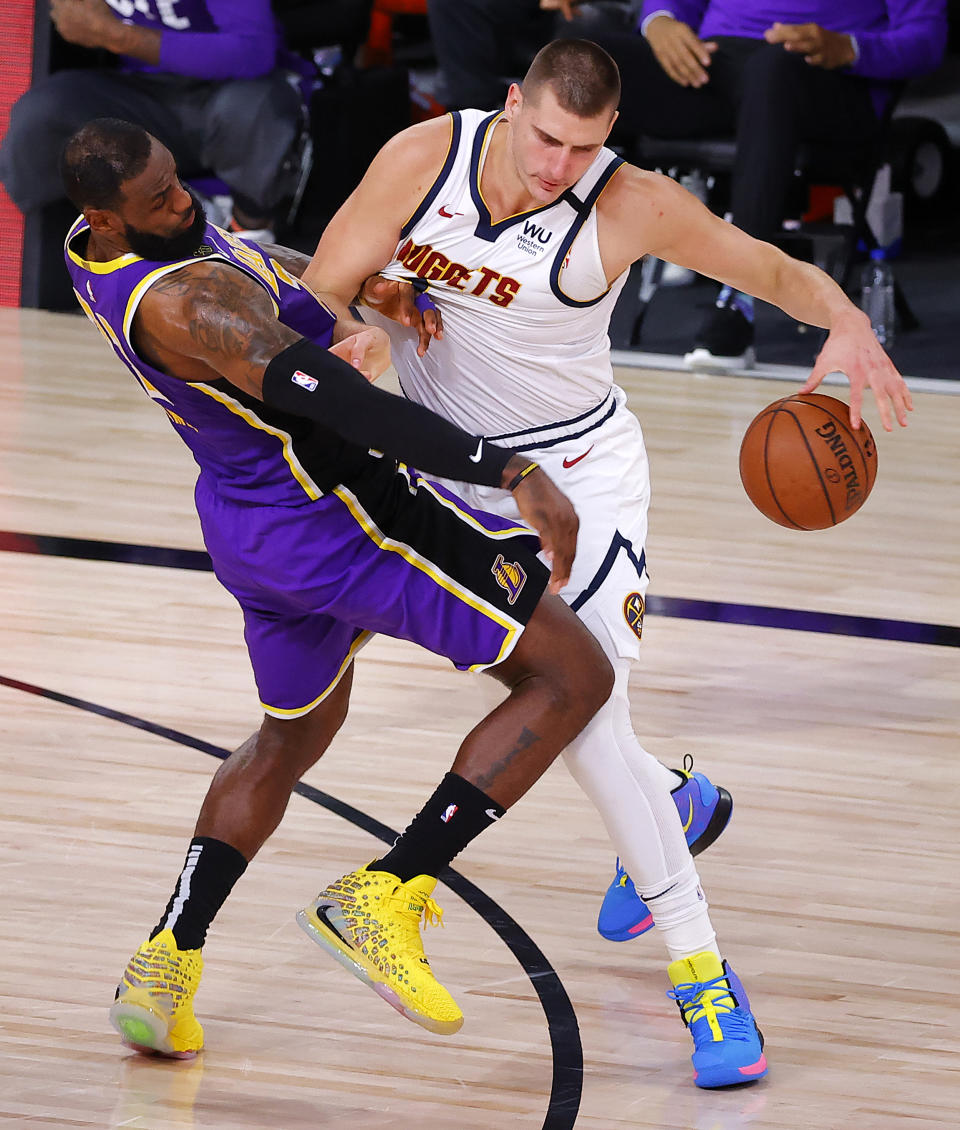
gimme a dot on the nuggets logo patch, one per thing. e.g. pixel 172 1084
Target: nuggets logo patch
pixel 633 613
pixel 509 576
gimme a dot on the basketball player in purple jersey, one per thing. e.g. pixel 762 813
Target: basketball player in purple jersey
pixel 318 524
pixel 522 226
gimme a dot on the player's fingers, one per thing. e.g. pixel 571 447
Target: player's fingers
pixel 883 407
pixel 560 566
pixel 900 408
pixel 906 399
pixel 814 60
pixel 856 407
pixel 812 382
pixel 358 350
pixel 375 289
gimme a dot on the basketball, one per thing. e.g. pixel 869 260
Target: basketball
pixel 803 466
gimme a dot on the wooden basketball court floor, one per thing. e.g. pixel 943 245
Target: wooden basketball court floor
pixel 815 675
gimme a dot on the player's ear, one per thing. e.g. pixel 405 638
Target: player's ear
pixel 616 114
pixel 102 220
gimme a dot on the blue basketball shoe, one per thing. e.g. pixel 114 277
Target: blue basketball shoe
pixel 705 811
pixel 728 1045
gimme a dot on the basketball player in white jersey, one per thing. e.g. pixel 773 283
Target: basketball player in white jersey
pixel 522 226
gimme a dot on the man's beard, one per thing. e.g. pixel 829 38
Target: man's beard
pixel 167 249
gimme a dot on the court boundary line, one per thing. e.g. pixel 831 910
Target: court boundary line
pixel 674 363
pixel 682 608
pixel 563 1028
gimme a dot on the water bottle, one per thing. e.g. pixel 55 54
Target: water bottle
pixel 877 296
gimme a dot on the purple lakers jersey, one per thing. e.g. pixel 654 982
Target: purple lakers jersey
pixel 245 450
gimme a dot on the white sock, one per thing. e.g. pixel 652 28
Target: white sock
pixel 680 912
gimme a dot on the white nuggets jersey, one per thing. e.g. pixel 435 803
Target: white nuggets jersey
pixel 524 300
pixel 525 361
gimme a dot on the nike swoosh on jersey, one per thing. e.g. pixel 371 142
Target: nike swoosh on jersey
pixel 442 211
pixel 492 813
pixel 568 463
pixel 475 458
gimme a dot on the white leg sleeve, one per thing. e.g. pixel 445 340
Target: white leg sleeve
pixel 628 788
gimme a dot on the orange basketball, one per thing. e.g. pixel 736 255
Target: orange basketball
pixel 803 466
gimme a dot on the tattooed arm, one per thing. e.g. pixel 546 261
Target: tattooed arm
pixel 209 320
pixel 295 263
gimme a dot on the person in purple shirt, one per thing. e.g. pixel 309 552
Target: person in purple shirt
pixel 200 75
pixel 774 75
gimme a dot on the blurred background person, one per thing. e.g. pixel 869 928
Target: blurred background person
pixel 483 45
pixel 201 75
pixel 772 75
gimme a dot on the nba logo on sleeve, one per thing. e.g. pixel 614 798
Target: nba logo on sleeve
pixel 304 380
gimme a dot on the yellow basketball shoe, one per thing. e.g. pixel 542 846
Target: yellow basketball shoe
pixel 153 1010
pixel 370 922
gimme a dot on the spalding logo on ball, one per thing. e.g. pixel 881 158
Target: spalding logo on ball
pixel 803 466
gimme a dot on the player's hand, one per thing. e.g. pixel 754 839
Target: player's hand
pixel 88 23
pixel 818 46
pixel 547 509
pixel 368 351
pixel 679 51
pixel 398 302
pixel 852 348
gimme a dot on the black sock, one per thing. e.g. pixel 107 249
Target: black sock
pixel 209 873
pixel 456 814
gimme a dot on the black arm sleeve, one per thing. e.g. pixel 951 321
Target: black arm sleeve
pixel 307 380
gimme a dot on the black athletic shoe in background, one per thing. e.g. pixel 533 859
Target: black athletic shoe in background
pixel 725 342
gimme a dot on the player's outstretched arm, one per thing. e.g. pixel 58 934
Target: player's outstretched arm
pixel 644 213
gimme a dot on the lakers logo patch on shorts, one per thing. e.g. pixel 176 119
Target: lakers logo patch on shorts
pixel 510 576
pixel 633 613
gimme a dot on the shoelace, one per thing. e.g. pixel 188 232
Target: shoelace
pixel 431 915
pixel 690 995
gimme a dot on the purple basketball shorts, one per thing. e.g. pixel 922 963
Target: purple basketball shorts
pixel 392 553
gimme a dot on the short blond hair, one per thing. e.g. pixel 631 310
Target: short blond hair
pixel 583 77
